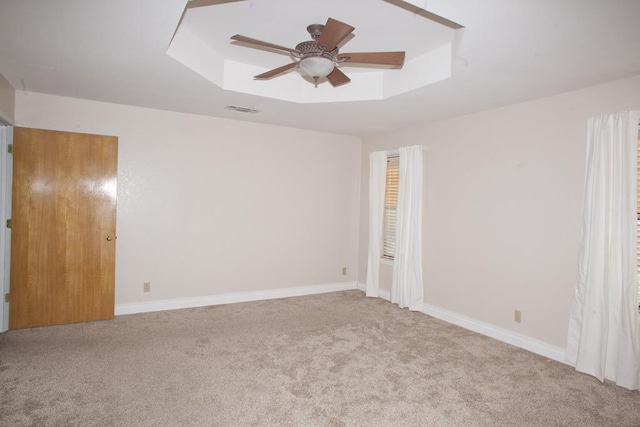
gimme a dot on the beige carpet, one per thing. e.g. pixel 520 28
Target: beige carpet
pixel 324 360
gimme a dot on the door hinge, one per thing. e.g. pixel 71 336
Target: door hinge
pixel 10 148
pixel 6 297
pixel 9 223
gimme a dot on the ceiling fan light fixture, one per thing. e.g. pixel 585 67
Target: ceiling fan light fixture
pixel 316 67
pixel 318 58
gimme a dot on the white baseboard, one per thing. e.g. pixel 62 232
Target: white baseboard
pixel 526 343
pixel 530 344
pixel 173 304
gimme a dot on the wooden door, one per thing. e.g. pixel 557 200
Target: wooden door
pixel 63 228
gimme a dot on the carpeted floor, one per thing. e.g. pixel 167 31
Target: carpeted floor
pixel 324 360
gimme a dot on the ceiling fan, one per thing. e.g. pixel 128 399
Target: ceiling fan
pixel 318 58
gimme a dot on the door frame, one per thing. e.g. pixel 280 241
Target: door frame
pixel 6 179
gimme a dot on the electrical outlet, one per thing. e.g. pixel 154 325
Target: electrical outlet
pixel 147 286
pixel 517 316
pixel 344 271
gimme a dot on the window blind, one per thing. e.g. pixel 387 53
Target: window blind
pixel 390 208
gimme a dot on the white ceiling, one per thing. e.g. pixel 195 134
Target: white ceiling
pixel 384 27
pixel 509 51
pixel 202 43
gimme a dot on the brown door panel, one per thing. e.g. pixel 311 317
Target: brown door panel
pixel 63 212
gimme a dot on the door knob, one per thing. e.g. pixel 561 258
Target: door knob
pixel 108 238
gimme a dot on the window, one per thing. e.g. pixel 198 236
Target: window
pixel 390 208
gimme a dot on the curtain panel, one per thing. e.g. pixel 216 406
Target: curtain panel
pixel 603 330
pixel 377 180
pixel 406 286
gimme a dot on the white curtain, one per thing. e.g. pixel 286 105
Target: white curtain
pixel 377 180
pixel 603 331
pixel 406 286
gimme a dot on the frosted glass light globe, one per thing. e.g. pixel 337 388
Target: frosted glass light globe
pixel 316 67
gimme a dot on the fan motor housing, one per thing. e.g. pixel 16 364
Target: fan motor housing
pixel 310 48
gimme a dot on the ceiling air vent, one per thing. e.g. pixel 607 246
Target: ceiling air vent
pixel 241 109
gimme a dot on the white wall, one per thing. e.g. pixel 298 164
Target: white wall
pixel 504 203
pixel 7 101
pixel 210 206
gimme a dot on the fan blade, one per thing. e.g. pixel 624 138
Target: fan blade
pixel 275 71
pixel 333 33
pixel 249 40
pixel 375 58
pixel 337 78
